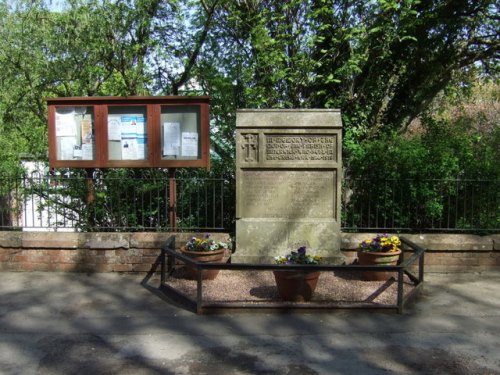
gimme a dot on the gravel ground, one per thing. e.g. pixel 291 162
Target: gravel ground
pixel 259 286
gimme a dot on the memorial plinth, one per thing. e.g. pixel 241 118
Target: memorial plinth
pixel 288 170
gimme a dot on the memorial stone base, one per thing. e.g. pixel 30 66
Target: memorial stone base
pixel 260 240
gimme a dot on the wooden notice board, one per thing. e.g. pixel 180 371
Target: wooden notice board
pixel 129 132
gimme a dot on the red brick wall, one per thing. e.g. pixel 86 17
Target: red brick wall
pixel 445 252
pixel 137 252
pixel 84 252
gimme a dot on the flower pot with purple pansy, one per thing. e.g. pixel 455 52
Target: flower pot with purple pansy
pixel 204 250
pixel 297 285
pixel 381 250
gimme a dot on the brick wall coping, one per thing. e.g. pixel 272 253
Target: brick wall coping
pixel 94 240
pixel 434 242
pixel 150 240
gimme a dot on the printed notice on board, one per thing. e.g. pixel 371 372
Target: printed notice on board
pixel 190 144
pixel 87 151
pixel 141 129
pixel 114 128
pixel 141 132
pixel 129 126
pixel 68 147
pixel 129 149
pixel 86 125
pixel 65 124
pixel 171 138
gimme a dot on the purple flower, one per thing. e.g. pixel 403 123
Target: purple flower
pixel 298 257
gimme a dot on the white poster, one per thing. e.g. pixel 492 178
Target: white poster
pixel 114 128
pixel 129 149
pixel 129 126
pixel 87 151
pixel 141 125
pixel 190 144
pixel 141 132
pixel 171 138
pixel 67 149
pixel 77 152
pixel 65 124
pixel 142 148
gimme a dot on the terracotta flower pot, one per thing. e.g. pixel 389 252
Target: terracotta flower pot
pixel 203 257
pixel 297 286
pixel 378 259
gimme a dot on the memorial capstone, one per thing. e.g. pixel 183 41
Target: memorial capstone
pixel 288 170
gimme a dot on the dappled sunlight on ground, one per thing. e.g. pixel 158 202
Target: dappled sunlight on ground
pixel 57 323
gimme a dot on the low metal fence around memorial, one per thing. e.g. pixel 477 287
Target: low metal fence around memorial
pixel 127 200
pixel 234 290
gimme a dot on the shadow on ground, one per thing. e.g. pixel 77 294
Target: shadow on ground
pixel 57 323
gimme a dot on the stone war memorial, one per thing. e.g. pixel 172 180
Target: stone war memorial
pixel 288 183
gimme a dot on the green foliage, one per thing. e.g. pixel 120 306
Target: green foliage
pixel 423 180
pixel 128 199
pixel 91 48
pixel 384 63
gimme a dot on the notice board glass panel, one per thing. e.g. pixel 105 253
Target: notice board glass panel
pixel 180 133
pixel 75 133
pixel 127 133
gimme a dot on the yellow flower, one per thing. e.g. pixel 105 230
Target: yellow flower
pixel 395 240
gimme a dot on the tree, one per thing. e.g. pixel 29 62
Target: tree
pixel 412 50
pixel 89 49
pixel 381 62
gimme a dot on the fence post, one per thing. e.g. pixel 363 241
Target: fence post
pixel 172 199
pixel 90 186
pixel 400 300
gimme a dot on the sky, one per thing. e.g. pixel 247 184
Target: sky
pixel 56 5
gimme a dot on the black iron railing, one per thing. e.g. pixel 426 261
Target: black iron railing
pixel 426 205
pixel 132 201
pixel 115 203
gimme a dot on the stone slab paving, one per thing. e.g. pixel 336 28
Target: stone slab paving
pixel 68 323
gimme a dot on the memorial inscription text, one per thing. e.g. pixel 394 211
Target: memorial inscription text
pixel 304 147
pixel 289 195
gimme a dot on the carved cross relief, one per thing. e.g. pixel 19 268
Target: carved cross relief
pixel 250 146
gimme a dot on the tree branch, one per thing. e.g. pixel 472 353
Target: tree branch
pixel 196 51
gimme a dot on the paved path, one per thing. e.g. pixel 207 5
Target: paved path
pixel 56 323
